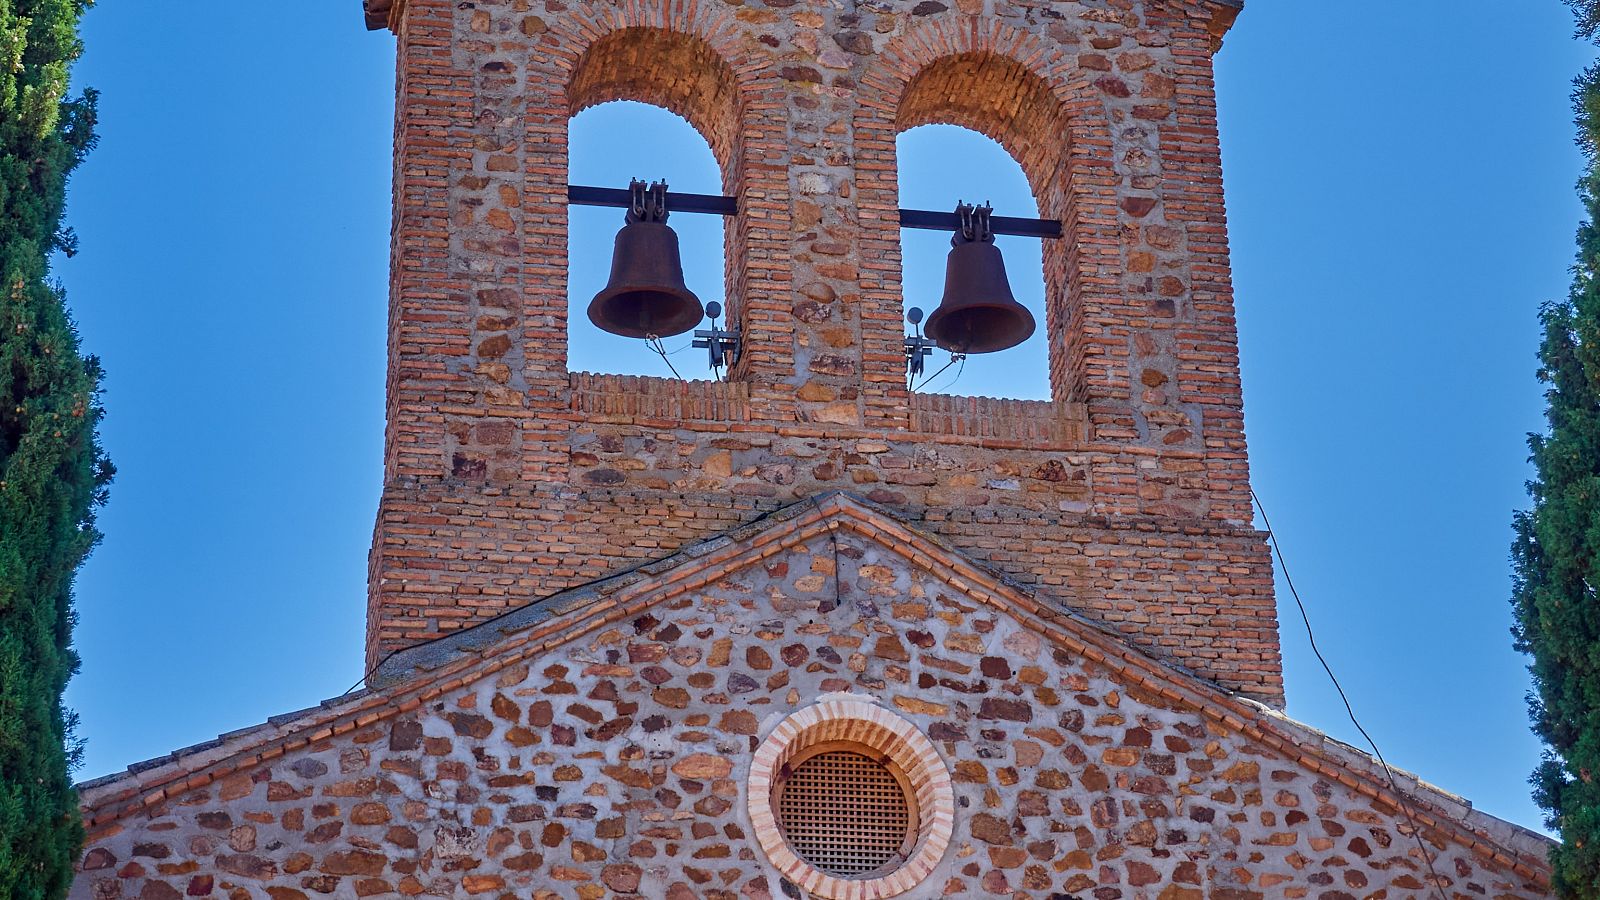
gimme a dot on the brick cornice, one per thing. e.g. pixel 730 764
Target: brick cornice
pixel 381 13
pixel 1223 14
pixel 1220 14
pixel 1216 16
pixel 422 674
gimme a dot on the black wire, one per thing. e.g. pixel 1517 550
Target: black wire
pixel 959 369
pixel 376 666
pixel 1416 833
pixel 954 358
pixel 833 535
pixel 654 343
pixel 936 374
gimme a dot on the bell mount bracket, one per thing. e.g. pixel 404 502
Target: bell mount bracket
pixel 918 348
pixel 721 345
pixel 976 224
pixel 647 202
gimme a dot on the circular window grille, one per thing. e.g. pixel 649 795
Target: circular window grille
pixel 845 813
pixel 850 800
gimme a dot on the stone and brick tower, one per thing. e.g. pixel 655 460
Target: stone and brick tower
pixel 638 637
pixel 510 478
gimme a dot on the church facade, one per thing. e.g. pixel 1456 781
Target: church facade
pixel 800 632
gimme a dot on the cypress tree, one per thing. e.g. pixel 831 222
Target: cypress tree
pixel 1556 551
pixel 52 472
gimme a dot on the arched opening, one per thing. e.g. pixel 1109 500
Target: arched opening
pixel 610 144
pixel 678 121
pixel 979 127
pixel 943 164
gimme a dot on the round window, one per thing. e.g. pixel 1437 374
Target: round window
pixel 850 800
pixel 846 813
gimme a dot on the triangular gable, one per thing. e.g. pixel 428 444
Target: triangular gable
pixel 411 678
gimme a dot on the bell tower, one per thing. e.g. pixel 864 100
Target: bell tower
pixel 507 478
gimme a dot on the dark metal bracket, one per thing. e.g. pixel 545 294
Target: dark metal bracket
pixel 918 348
pixel 721 345
pixel 712 204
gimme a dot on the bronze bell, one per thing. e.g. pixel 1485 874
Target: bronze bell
pixel 978 313
pixel 646 296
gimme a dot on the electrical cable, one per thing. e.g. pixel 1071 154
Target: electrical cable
pixel 654 343
pixel 368 673
pixel 1405 808
pixel 935 374
pixel 954 358
pixel 959 369
pixel 833 535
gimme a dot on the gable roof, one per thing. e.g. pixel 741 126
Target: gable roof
pixel 408 679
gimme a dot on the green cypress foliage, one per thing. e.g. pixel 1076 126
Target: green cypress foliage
pixel 1588 13
pixel 52 473
pixel 1556 551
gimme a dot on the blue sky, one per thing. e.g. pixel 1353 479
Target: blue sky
pixel 1400 197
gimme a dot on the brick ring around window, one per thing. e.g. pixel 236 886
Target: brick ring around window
pixel 849 800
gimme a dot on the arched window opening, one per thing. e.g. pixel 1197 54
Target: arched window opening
pixel 610 144
pixel 940 165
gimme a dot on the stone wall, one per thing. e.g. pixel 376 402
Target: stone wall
pixel 614 764
pixel 1109 107
pixel 1197 596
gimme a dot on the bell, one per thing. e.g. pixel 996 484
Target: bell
pixel 646 296
pixel 978 313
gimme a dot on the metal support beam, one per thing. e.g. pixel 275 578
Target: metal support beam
pixel 677 201
pixel 1046 229
pixel 712 204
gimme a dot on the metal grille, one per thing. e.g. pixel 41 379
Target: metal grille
pixel 844 813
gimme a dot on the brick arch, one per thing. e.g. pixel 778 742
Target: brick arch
pixel 682 59
pixel 675 70
pixel 1002 100
pixel 1038 105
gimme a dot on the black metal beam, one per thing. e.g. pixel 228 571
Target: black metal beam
pixel 677 201
pixel 713 204
pixel 949 221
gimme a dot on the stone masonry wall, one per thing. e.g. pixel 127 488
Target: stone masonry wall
pixel 614 766
pixel 1129 491
pixel 1198 597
